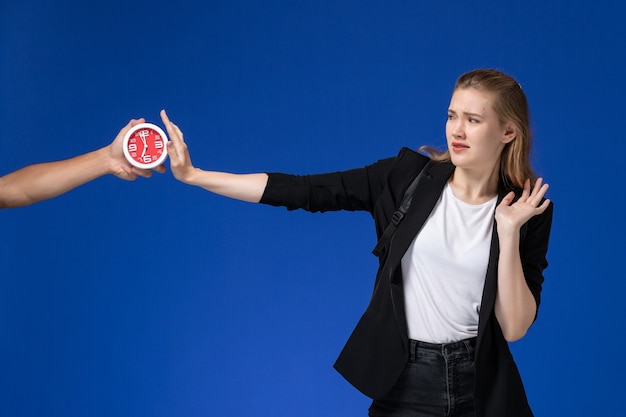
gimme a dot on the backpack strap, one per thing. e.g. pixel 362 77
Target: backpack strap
pixel 398 215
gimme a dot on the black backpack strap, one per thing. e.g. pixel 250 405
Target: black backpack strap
pixel 398 215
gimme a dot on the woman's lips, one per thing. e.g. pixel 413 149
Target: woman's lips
pixel 459 147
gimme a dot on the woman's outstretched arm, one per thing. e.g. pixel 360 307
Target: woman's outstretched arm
pixel 245 187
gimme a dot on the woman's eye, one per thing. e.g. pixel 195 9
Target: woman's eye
pixel 472 120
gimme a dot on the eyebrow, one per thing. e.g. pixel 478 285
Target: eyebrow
pixel 467 113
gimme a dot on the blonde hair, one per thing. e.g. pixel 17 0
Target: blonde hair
pixel 511 106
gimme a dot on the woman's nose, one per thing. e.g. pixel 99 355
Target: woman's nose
pixel 456 128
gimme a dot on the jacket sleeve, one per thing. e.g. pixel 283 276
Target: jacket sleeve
pixel 355 189
pixel 533 250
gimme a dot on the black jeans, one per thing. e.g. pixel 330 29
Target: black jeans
pixel 437 381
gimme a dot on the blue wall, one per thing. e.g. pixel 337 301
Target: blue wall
pixel 232 309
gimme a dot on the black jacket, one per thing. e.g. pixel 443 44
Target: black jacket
pixel 377 351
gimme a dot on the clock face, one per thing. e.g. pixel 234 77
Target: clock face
pixel 145 146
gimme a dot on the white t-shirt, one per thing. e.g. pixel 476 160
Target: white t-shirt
pixel 444 270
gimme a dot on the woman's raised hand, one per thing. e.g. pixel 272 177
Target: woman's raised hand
pixel 511 216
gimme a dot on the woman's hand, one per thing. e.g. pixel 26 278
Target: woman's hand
pixel 511 217
pixel 180 161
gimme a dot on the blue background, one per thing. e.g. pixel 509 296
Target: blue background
pixel 153 298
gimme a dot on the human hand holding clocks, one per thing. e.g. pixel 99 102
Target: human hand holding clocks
pixel 144 146
pixel 118 163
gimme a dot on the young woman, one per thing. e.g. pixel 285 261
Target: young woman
pixel 462 274
pixel 38 182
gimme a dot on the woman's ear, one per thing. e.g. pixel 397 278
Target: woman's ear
pixel 510 133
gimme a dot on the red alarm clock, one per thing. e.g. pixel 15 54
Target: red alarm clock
pixel 145 146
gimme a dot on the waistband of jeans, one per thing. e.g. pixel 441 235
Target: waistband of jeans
pixel 465 346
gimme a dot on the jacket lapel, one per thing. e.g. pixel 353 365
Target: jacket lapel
pixel 491 279
pixel 426 195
